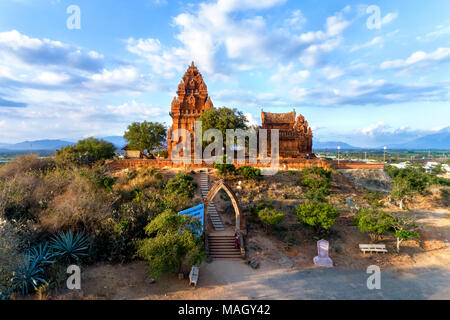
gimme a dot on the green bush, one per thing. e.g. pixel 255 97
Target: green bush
pixel 374 198
pixel 317 195
pixel 171 243
pixel 85 152
pixel 319 215
pixel 225 168
pixel 249 172
pixel 270 217
pixel 182 185
pixel 374 222
pixel 262 205
pixel 316 178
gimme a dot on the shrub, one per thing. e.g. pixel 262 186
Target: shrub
pixel 319 215
pixel 10 247
pixel 28 163
pixel 262 205
pixel 43 254
pixel 374 198
pixel 270 217
pixel 69 246
pixel 374 222
pixel 28 275
pixel 170 244
pixel 182 185
pixel 316 178
pixel 225 168
pixel 85 152
pixel 317 195
pixel 249 172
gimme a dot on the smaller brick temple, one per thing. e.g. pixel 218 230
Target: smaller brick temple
pixel 294 132
pixel 188 105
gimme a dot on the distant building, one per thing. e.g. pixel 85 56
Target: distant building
pixel 192 100
pixel 294 132
pixel 132 154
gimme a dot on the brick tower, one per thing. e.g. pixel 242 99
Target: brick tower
pixel 191 101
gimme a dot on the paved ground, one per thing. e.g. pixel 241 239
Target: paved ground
pixel 242 282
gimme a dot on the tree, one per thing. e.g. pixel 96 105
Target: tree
pixel 87 151
pixel 145 136
pixel 270 217
pixel 171 243
pixel 223 119
pixel 182 185
pixel 404 228
pixel 374 222
pixel 319 215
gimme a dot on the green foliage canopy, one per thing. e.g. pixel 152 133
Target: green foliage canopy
pixel 374 222
pixel 85 152
pixel 270 217
pixel 182 185
pixel 317 214
pixel 170 244
pixel 223 119
pixel 145 136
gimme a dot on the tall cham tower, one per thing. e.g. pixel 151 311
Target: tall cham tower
pixel 191 101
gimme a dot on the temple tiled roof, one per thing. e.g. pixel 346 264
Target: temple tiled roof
pixel 267 117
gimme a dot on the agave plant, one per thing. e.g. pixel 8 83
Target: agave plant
pixel 29 274
pixel 69 246
pixel 43 254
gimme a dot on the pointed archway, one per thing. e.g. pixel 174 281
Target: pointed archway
pixel 221 184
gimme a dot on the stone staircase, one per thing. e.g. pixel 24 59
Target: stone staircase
pixel 223 247
pixel 212 211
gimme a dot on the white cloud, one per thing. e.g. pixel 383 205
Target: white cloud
pixel 388 18
pixel 52 78
pixel 375 41
pixel 286 73
pixel 214 29
pixel 134 108
pixel 251 121
pixel 296 20
pixel 372 129
pixel 440 31
pixel 44 52
pixel 418 59
pixel 332 72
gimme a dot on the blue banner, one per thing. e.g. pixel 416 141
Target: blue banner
pixel 197 212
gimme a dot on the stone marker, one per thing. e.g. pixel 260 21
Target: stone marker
pixel 323 260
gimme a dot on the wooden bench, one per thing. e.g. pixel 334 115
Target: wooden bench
pixel 373 248
pixel 193 276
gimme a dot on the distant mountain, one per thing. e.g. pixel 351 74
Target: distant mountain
pixel 332 145
pixel 118 141
pixel 36 145
pixel 439 140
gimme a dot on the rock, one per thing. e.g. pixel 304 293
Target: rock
pixel 286 262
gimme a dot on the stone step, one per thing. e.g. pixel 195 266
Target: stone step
pixel 221 256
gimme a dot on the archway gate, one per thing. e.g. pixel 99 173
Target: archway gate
pixel 222 185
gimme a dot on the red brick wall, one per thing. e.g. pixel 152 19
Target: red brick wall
pixel 285 164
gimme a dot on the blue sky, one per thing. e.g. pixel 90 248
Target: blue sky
pixel 362 85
